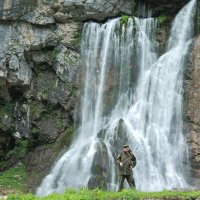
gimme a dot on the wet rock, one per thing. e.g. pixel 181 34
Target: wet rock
pixel 119 138
pixel 96 182
pixel 163 7
pixel 99 168
pixel 192 110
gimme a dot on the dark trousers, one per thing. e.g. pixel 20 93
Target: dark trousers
pixel 129 179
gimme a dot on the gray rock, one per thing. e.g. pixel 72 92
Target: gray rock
pixel 30 11
pixel 43 15
pixel 13 10
pixel 66 63
pixel 61 17
pixel 14 63
pixel 6 122
pixel 94 9
pixel 67 32
pixel 192 110
pixel 3 70
pixel 99 167
pixel 22 120
pixel 164 7
pixel 39 57
pixel 19 72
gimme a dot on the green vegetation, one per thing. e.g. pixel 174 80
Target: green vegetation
pixel 59 121
pixel 69 87
pixel 6 108
pixel 124 20
pixel 35 131
pixel 69 59
pixel 76 38
pixel 36 108
pixel 66 139
pixel 161 19
pixel 21 148
pixel 96 194
pixel 53 55
pixel 13 180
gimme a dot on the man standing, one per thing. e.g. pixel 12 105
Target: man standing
pixel 126 161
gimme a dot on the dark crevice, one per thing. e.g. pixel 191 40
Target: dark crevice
pixel 16 93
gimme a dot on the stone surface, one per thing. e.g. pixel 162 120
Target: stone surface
pixel 38 67
pixel 163 7
pixel 44 12
pixel 192 110
pixel 94 9
pixel 100 172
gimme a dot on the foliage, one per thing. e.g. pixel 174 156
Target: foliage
pixel 97 194
pixel 53 55
pixel 124 20
pixel 70 87
pixel 76 38
pixel 6 107
pixel 161 19
pixel 35 131
pixel 13 179
pixel 36 108
pixel 21 148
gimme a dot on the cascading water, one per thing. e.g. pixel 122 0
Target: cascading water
pixel 130 95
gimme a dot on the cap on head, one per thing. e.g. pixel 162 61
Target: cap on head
pixel 126 145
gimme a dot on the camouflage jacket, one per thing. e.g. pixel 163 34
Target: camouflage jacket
pixel 128 160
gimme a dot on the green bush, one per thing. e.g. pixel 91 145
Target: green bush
pixel 161 19
pixel 124 20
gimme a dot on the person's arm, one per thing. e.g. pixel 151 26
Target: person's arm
pixel 119 160
pixel 133 159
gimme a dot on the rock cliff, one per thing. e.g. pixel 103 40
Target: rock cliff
pixel 39 65
pixel 192 110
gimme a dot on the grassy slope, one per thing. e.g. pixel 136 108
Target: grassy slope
pixel 103 195
pixel 13 180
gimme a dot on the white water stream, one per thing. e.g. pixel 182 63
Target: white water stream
pixel 130 95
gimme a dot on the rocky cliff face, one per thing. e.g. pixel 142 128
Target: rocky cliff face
pixel 192 110
pixel 163 7
pixel 39 64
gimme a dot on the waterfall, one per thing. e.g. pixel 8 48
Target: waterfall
pixel 130 95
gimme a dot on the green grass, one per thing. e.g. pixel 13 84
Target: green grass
pixel 84 194
pixel 13 180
